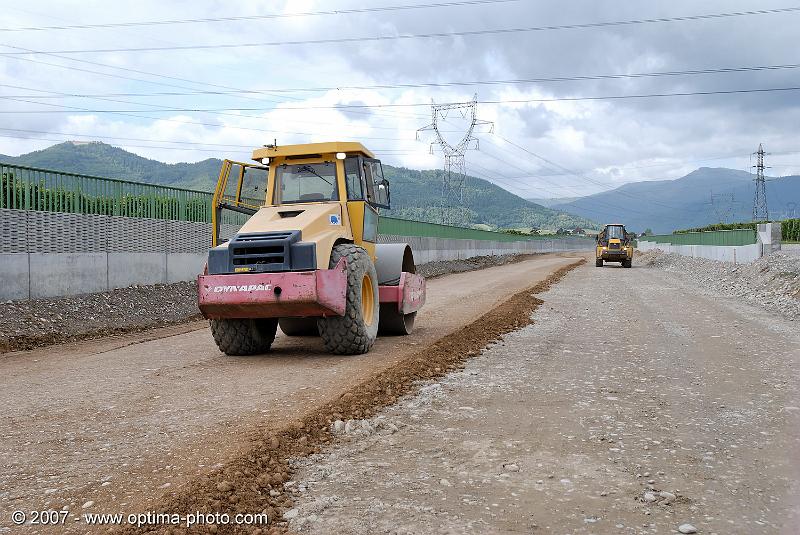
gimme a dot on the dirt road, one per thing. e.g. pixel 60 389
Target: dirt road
pixel 111 425
pixel 636 403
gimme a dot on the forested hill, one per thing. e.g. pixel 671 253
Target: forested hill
pixel 415 194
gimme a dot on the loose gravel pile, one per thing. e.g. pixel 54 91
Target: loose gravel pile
pixel 771 282
pixel 40 322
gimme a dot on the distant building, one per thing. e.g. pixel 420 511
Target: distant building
pixel 579 231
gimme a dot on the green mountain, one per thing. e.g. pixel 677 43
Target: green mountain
pixel 703 197
pixel 99 159
pixel 415 194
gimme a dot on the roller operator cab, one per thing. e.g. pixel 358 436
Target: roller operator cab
pixel 614 244
pixel 307 258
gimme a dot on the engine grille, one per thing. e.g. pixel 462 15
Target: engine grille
pixel 268 251
pixel 263 252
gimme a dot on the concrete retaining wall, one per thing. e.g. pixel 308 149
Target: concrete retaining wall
pixel 44 254
pixel 738 254
pixel 34 275
pixel 769 241
pixel 434 249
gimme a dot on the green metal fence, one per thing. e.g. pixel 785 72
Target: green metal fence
pixel 32 188
pixel 719 237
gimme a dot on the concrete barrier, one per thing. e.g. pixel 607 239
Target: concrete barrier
pixel 768 240
pixel 737 254
pixel 437 249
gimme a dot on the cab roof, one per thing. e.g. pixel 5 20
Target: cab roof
pixel 312 149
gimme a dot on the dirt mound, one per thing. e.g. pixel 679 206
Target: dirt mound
pixel 254 481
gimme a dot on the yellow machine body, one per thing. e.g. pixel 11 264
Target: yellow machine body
pixel 614 244
pixel 337 215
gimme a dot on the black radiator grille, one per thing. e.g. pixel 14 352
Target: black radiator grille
pixel 263 252
pixel 268 249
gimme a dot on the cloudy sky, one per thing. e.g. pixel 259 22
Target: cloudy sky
pixel 316 72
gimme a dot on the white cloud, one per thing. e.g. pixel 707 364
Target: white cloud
pixel 611 141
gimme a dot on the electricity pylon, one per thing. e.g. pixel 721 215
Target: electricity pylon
pixel 760 210
pixel 455 171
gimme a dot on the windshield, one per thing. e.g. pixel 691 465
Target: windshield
pixel 615 232
pixel 305 183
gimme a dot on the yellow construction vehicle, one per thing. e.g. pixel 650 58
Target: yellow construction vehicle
pixel 614 244
pixel 307 258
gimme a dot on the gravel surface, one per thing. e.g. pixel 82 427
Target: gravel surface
pixel 41 322
pixel 772 282
pixel 654 410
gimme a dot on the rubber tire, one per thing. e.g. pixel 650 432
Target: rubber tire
pixel 598 262
pixel 350 334
pixel 244 336
pixel 299 326
pixel 394 322
pixel 627 263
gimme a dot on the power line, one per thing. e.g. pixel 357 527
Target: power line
pixel 578 175
pixel 256 17
pixel 87 140
pixel 484 151
pixel 163 108
pixel 516 81
pixel 337 40
pixel 248 149
pixel 136 71
pixel 210 125
pixel 491 176
pixel 418 104
pixel 74 136
pixel 550 182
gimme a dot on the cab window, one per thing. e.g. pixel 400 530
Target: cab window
pixel 368 178
pixel 313 182
pixel 355 191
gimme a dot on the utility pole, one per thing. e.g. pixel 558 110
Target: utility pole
pixel 455 171
pixel 760 210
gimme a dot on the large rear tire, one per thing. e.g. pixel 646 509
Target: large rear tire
pixel 355 332
pixel 598 262
pixel 299 326
pixel 627 263
pixel 394 322
pixel 244 336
